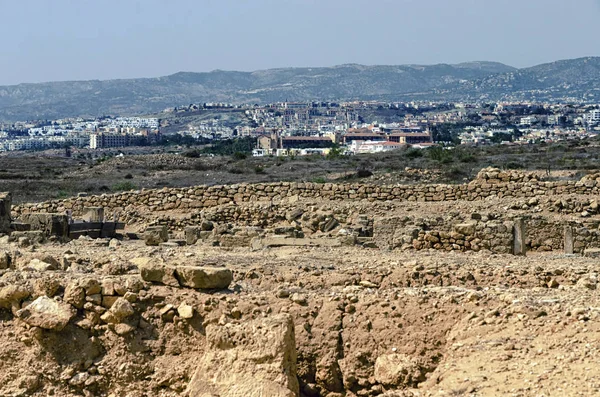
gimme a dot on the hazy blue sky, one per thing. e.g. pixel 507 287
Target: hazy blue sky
pixel 48 40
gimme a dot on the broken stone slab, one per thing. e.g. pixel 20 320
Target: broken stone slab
pixel 348 240
pixel 398 370
pixel 12 295
pixel 154 271
pixel 155 235
pixel 47 313
pixel 34 236
pixel 467 229
pixel 329 225
pixel 5 260
pixel 185 311
pixel 171 244
pixel 592 252
pixel 119 311
pixel 39 266
pixel 299 242
pixel 204 277
pixel 192 234
pixel 294 214
pixel 50 224
pixel 569 240
pixel 5 207
pixel 227 240
pixel 253 359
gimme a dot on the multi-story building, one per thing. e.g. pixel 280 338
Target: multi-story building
pixel 362 135
pixel 374 146
pixel 593 117
pixel 410 138
pixel 102 140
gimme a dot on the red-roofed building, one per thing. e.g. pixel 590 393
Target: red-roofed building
pixel 410 138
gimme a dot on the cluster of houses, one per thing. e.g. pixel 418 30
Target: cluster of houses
pixel 355 141
pixel 95 134
pixel 299 128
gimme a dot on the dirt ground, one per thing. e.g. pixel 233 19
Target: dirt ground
pixel 441 323
pixel 476 324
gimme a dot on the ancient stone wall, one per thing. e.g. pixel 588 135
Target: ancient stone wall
pixel 272 206
pixel 483 233
pixel 489 183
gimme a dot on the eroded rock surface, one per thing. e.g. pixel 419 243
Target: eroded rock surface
pixel 47 313
pixel 253 359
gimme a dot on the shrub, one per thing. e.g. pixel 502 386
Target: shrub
pixel 363 173
pixel 513 165
pixel 62 194
pixel 467 157
pixel 413 153
pixel 235 170
pixel 439 154
pixel 240 155
pixel 201 166
pixel 194 154
pixel 456 173
pixel 319 179
pixel 334 153
pixel 123 186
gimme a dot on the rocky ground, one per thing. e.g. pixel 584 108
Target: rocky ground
pixel 327 315
pixel 366 322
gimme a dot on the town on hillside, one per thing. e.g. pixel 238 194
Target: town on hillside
pixel 308 128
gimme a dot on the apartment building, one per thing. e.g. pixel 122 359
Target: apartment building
pixel 374 146
pixel 593 117
pixel 102 140
pixel 410 138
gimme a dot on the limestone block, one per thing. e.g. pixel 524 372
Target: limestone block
pixel 398 370
pixel 50 224
pixel 47 313
pixel 253 359
pixel 155 235
pixel 204 277
pixel 154 271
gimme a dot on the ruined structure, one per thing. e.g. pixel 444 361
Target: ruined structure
pixel 309 290
pixel 5 212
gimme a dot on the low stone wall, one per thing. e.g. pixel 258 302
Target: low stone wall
pixel 444 234
pixel 495 235
pixel 489 183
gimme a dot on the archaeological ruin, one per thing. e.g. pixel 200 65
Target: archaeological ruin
pixel 304 289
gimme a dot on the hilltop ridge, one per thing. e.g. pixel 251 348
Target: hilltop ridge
pixel 566 80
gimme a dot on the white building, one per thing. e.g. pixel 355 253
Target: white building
pixel 135 122
pixel 374 146
pixel 27 144
pixel 98 141
pixel 529 120
pixel 593 117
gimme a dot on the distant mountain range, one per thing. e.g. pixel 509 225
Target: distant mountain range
pixel 568 80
